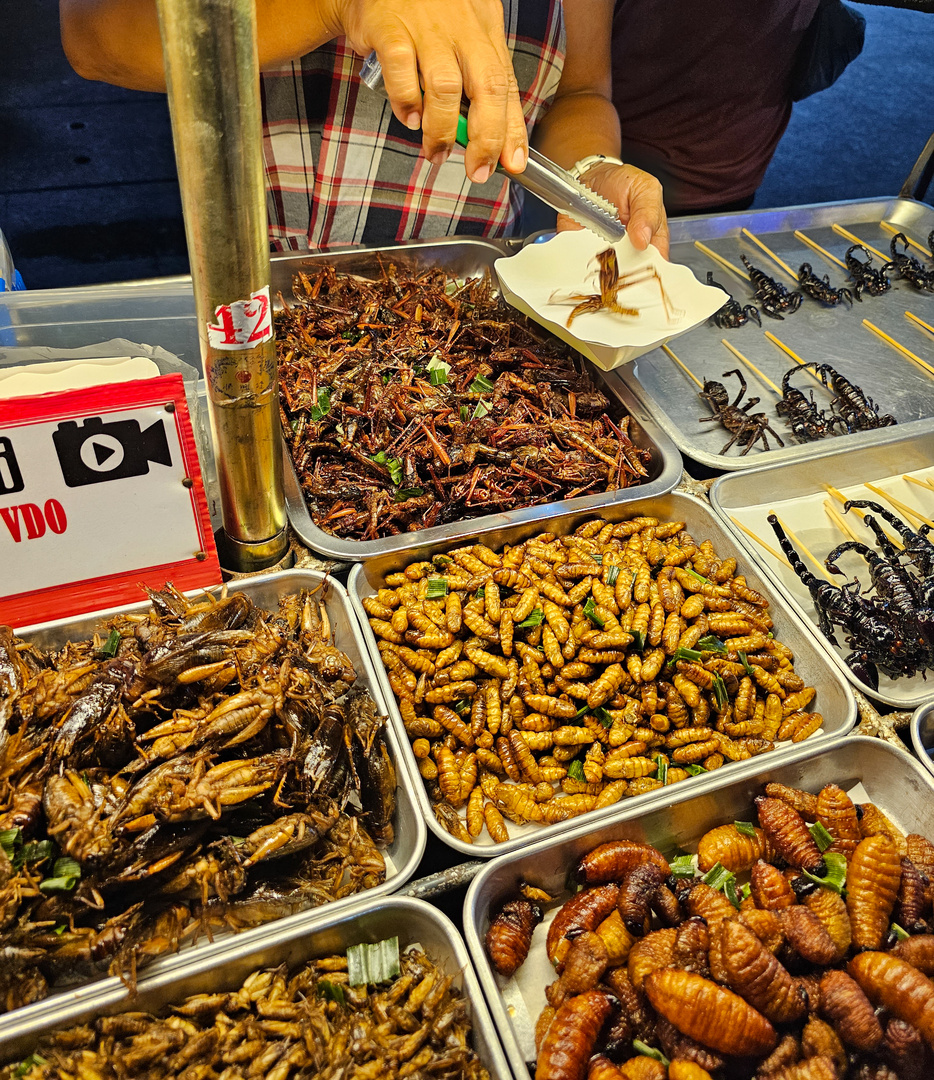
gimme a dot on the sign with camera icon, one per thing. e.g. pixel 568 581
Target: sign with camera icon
pixel 100 495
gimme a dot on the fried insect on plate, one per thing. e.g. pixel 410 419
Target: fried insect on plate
pixel 510 934
pixel 585 911
pixel 731 848
pixel 570 1040
pixel 837 813
pixel 872 889
pixel 789 836
pixel 896 985
pixel 747 967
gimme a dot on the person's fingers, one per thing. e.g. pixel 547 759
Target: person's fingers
pixel 443 85
pixel 400 78
pixel 567 224
pixel 489 85
pixel 647 222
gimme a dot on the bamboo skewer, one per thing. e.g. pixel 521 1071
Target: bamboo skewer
pixel 758 539
pixel 913 243
pixel 752 367
pixel 839 521
pixel 901 348
pixel 725 263
pixel 794 356
pixel 820 251
pixel 840 231
pixel 925 326
pixel 842 499
pixel 771 254
pixel 899 505
pixel 687 371
pixel 926 484
pixel 797 543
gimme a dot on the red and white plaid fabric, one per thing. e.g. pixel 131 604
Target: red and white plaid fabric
pixel 341 169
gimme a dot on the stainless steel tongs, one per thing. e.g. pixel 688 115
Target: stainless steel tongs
pixel 548 181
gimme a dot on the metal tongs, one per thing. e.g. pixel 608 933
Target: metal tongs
pixel 546 180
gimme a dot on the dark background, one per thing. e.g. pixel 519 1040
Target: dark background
pixel 88 191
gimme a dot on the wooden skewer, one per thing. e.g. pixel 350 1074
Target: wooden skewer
pixel 841 498
pixel 839 521
pixel 901 348
pixel 899 505
pixel 839 229
pixel 687 371
pixel 820 251
pixel 758 539
pixel 926 484
pixel 794 356
pixel 752 367
pixel 913 243
pixel 920 322
pixel 797 543
pixel 771 254
pixel 725 263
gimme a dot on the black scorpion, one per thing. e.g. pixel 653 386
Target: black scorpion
pixel 851 403
pixel 867 279
pixel 732 314
pixel 908 267
pixel 773 297
pixel 802 415
pixel 820 289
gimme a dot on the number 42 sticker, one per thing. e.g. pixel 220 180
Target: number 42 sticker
pixel 244 324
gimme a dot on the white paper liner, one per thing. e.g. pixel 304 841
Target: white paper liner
pixel 541 278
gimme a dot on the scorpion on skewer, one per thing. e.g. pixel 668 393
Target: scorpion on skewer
pixel 732 314
pixel 908 267
pixel 867 279
pixel 820 289
pixel 746 429
pixel 773 297
pixel 852 404
pixel 802 415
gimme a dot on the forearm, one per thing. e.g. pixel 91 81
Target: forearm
pixel 117 41
pixel 577 125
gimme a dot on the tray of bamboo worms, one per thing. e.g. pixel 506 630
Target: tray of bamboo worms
pixel 794 363
pixel 386 989
pixel 537 676
pixel 178 770
pixel 753 930
pixel 849 548
pixel 418 407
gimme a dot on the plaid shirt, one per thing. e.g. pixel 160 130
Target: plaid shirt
pixel 341 169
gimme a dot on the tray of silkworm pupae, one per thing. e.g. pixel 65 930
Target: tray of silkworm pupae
pixel 778 925
pixel 849 547
pixel 419 408
pixel 833 362
pixel 384 990
pixel 175 771
pixel 542 675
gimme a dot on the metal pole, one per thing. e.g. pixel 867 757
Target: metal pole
pixel 212 77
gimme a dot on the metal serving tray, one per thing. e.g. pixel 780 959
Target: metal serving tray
pixel 403 855
pixel 798 496
pixel 891 778
pixel 834 700
pixel 462 257
pixel 814 332
pixel 413 921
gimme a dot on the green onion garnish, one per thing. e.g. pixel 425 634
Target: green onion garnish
pixel 393 465
pixel 900 934
pixel 746 828
pixel 110 646
pixel 437 587
pixel 27 1065
pixel 820 835
pixel 694 573
pixel 407 493
pixel 719 689
pixel 438 371
pixel 729 891
pixel 576 770
pixel 480 385
pixel 662 762
pixel 745 891
pixel 835 878
pixel 10 839
pixel 464 413
pixel 367 964
pixel 682 866
pixel 649 1051
pixel 717 876
pixel 638 640
pixel 604 717
pixel 480 411
pixel 710 643
pixel 691 655
pixel 612 573
pixel 36 852
pixel 534 619
pixel 695 770
pixel 462 706
pixel 590 610
pixel 66 873
pixel 745 662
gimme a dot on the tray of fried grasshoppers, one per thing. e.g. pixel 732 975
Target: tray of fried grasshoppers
pixel 418 407
pixel 667 950
pixel 178 770
pixel 823 378
pixel 386 989
pixel 538 676
pixel 850 549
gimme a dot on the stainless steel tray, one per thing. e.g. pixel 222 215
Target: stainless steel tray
pixel 834 700
pixel 798 488
pixel 922 735
pixel 829 335
pixel 463 257
pixel 403 855
pixel 891 778
pixel 413 921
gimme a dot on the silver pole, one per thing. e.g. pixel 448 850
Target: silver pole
pixel 212 77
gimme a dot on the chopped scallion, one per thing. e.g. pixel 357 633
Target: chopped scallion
pixel 534 618
pixel 746 828
pixel 820 835
pixel 10 839
pixel 110 646
pixel 710 643
pixel 729 891
pixel 716 877
pixel 699 577
pixel 638 640
pixel 66 873
pixel 604 717
pixel 662 762
pixel 835 877
pixel 437 587
pixel 745 662
pixel 695 770
pixel 691 655
pixel 480 411
pixel 745 891
pixel 719 689
pixel 590 610
pixel 900 934
pixel 612 573
pixel 576 770
pixel 682 866
pixel 649 1051
pixel 480 385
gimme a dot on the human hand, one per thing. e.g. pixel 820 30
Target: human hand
pixel 452 51
pixel 638 197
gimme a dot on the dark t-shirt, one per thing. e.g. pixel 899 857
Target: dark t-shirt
pixel 702 91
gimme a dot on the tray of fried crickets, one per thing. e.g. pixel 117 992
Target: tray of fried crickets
pixel 560 668
pixel 890 791
pixel 857 382
pixel 386 985
pixel 419 408
pixel 178 770
pixel 852 552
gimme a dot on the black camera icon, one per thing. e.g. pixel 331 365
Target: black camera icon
pixel 93 452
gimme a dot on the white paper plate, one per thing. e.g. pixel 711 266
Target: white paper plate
pixel 541 279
